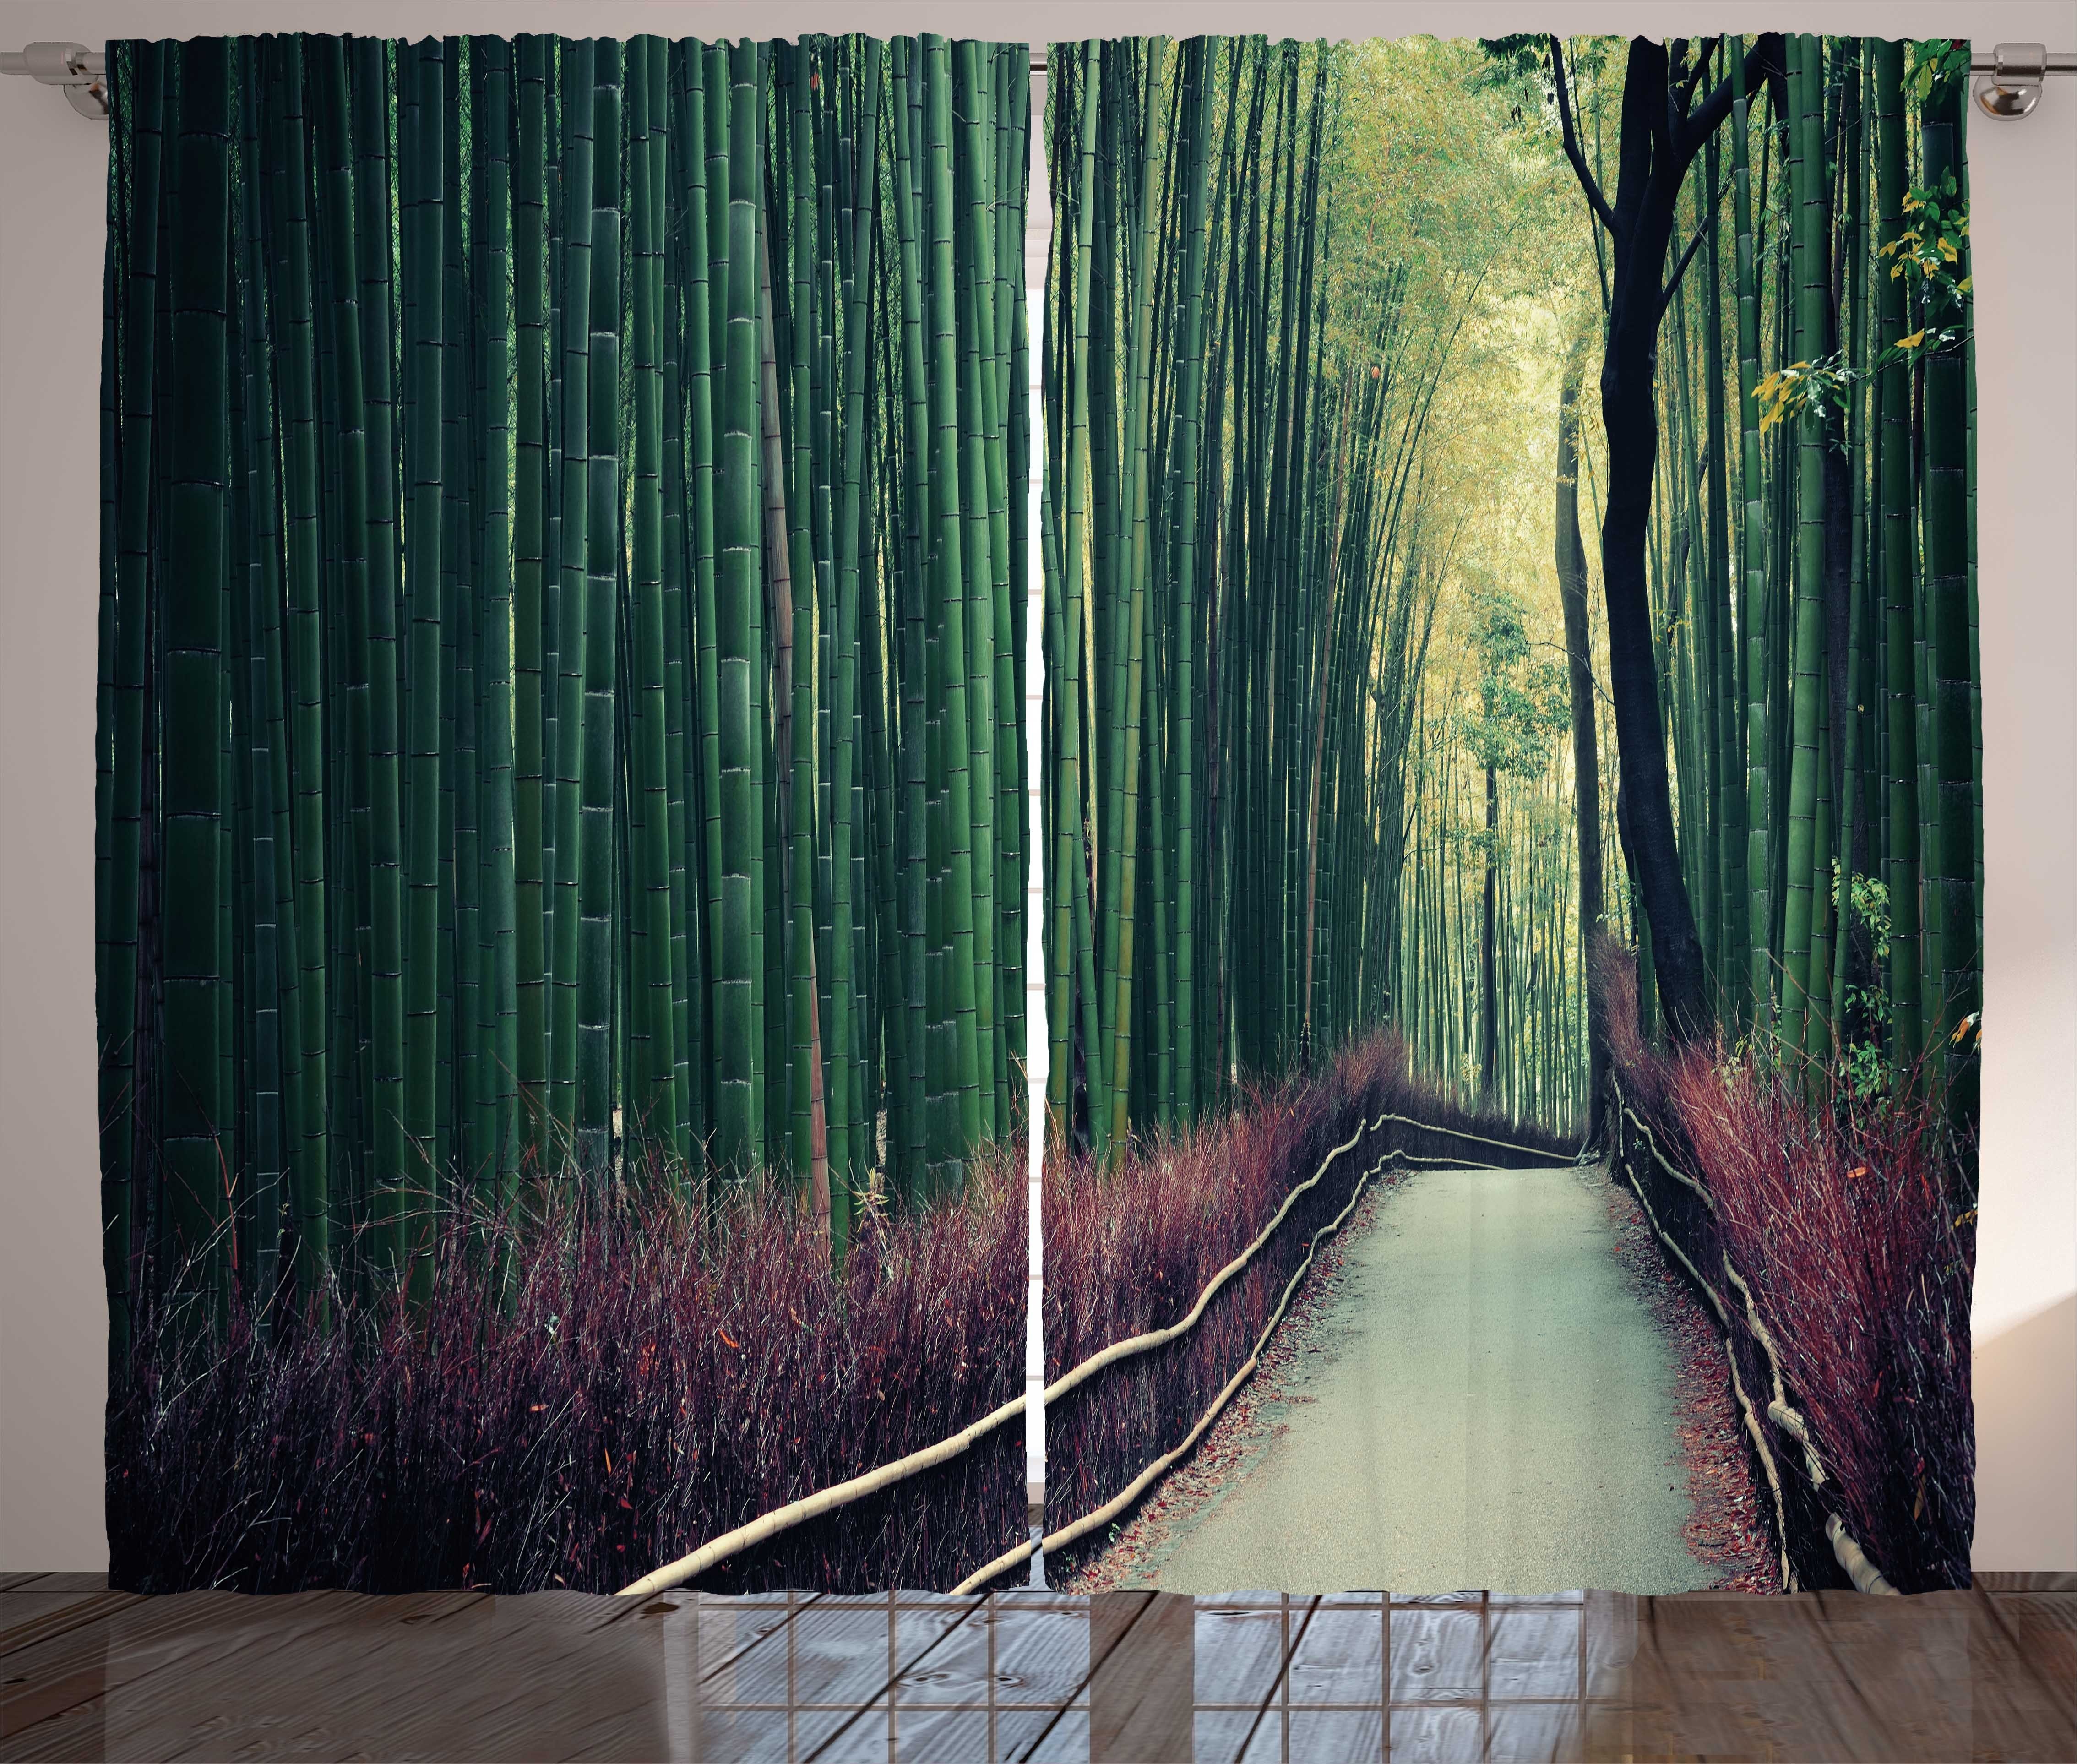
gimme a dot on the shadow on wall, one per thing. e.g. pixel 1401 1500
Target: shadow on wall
pixel 2025 1388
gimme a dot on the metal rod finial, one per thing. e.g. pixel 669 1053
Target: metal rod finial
pixel 82 73
pixel 2009 79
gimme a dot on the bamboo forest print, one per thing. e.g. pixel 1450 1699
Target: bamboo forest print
pixel 560 791
pixel 1512 838
pixel 1493 749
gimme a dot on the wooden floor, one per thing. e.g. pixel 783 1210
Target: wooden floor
pixel 925 1680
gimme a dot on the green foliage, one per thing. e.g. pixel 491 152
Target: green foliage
pixel 1933 250
pixel 1934 64
pixel 1864 1060
pixel 1933 247
pixel 1823 386
pixel 1522 56
pixel 1862 899
pixel 473 623
pixel 1523 702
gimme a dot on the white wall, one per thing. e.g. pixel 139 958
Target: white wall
pixel 53 163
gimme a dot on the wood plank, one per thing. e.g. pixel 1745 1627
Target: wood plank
pixel 1143 1674
pixel 1340 1658
pixel 1042 1652
pixel 34 1614
pixel 48 1674
pixel 2023 1661
pixel 549 1675
pixel 724 1629
pixel 2020 1580
pixel 706 1637
pixel 1985 1674
pixel 145 1637
pixel 1060 1737
pixel 1436 1653
pixel 57 1694
pixel 837 1654
pixel 1029 1653
pixel 1238 1646
pixel 823 1680
pixel 1815 1676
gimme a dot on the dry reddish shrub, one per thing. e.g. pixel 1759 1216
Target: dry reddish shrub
pixel 1850 1220
pixel 659 1373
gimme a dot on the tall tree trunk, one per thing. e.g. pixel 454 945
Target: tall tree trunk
pixel 1572 562
pixel 530 301
pixel 1834 142
pixel 1900 623
pixel 1952 874
pixel 422 121
pixel 1752 598
pixel 1124 763
pixel 793 626
pixel 1661 135
pixel 1488 953
pixel 1802 916
pixel 1726 724
pixel 598 928
pixel 194 793
pixel 739 1009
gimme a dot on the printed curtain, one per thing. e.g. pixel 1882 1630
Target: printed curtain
pixel 561 863
pixel 1502 809
pixel 1513 861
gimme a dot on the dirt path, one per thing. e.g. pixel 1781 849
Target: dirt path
pixel 1483 1398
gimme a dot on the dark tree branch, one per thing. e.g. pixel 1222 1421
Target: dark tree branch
pixel 1686 256
pixel 1595 199
pixel 1695 76
pixel 1763 60
pixel 1661 134
pixel 1662 123
pixel 1777 96
pixel 1678 82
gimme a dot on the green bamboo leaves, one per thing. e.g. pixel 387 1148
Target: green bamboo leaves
pixel 526 490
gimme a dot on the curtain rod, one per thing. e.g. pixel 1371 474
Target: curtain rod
pixel 2009 78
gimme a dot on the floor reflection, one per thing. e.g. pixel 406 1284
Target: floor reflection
pixel 1128 1678
pixel 1364 1676
pixel 910 1676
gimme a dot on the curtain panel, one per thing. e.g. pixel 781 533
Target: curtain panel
pixel 560 864
pixel 1503 810
pixel 1513 853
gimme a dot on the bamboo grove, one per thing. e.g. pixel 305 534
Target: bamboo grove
pixel 1812 565
pixel 1319 753
pixel 1246 541
pixel 559 688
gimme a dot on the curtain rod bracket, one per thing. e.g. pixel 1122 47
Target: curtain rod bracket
pixel 2009 78
pixel 82 73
